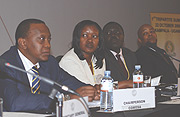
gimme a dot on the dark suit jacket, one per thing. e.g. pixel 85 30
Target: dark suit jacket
pixel 16 91
pixel 155 64
pixel 113 65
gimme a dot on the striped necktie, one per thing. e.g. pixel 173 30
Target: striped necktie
pixel 35 89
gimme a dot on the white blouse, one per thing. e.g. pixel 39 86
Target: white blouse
pixel 71 63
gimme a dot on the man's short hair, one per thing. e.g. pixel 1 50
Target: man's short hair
pixel 140 30
pixel 23 28
pixel 111 23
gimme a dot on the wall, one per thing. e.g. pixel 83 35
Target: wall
pixel 61 16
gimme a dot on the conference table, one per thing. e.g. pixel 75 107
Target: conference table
pixel 161 110
pixel 165 106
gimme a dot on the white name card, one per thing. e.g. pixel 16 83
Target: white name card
pixel 178 89
pixel 133 99
pixel 74 108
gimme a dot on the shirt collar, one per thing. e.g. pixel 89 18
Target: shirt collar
pixel 114 53
pixel 26 62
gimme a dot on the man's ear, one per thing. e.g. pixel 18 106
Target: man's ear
pixel 139 41
pixel 22 43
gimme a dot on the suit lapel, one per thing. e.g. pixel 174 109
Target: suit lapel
pixel 43 71
pixel 163 57
pixel 127 59
pixel 24 77
pixel 112 60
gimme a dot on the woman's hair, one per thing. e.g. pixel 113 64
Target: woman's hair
pixel 99 52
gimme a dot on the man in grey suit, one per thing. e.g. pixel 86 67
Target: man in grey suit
pixel 119 60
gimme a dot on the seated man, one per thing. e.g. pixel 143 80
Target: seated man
pixel 119 60
pixel 24 92
pixel 153 59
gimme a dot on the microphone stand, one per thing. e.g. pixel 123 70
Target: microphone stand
pixel 175 60
pixel 164 53
pixel 56 93
pixel 151 48
pixel 172 57
pixel 59 105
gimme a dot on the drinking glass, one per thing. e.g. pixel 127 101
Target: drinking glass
pixel 1 107
pixel 147 81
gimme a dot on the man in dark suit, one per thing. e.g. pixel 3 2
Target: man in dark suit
pixel 153 59
pixel 20 93
pixel 119 60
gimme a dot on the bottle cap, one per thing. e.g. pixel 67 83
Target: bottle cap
pixel 107 73
pixel 137 67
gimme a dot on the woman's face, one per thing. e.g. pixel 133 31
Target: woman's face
pixel 89 39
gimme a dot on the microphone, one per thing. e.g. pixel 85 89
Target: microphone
pixel 3 63
pixel 150 46
pixel 157 50
pixel 172 57
pixel 154 48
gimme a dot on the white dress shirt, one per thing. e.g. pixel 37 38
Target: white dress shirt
pixel 121 55
pixel 28 66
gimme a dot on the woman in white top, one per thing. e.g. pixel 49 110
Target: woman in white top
pixel 85 60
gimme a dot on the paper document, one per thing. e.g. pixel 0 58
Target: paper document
pixel 173 101
pixel 155 81
pixel 94 103
pixel 24 114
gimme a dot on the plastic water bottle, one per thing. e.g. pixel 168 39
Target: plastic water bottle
pixel 106 98
pixel 137 77
pixel 179 71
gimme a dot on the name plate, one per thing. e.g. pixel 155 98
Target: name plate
pixel 75 108
pixel 133 99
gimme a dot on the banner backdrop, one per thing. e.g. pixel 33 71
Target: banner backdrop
pixel 167 27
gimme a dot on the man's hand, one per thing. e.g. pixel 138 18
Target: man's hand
pixel 125 84
pixel 97 92
pixel 84 91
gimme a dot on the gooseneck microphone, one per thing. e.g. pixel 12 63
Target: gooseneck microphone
pixel 155 49
pixel 151 48
pixel 3 63
pixel 172 57
pixel 164 53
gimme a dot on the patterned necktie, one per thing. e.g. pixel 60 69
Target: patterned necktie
pixel 122 65
pixel 35 89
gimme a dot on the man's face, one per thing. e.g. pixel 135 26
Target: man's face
pixel 147 35
pixel 37 43
pixel 113 37
pixel 89 39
